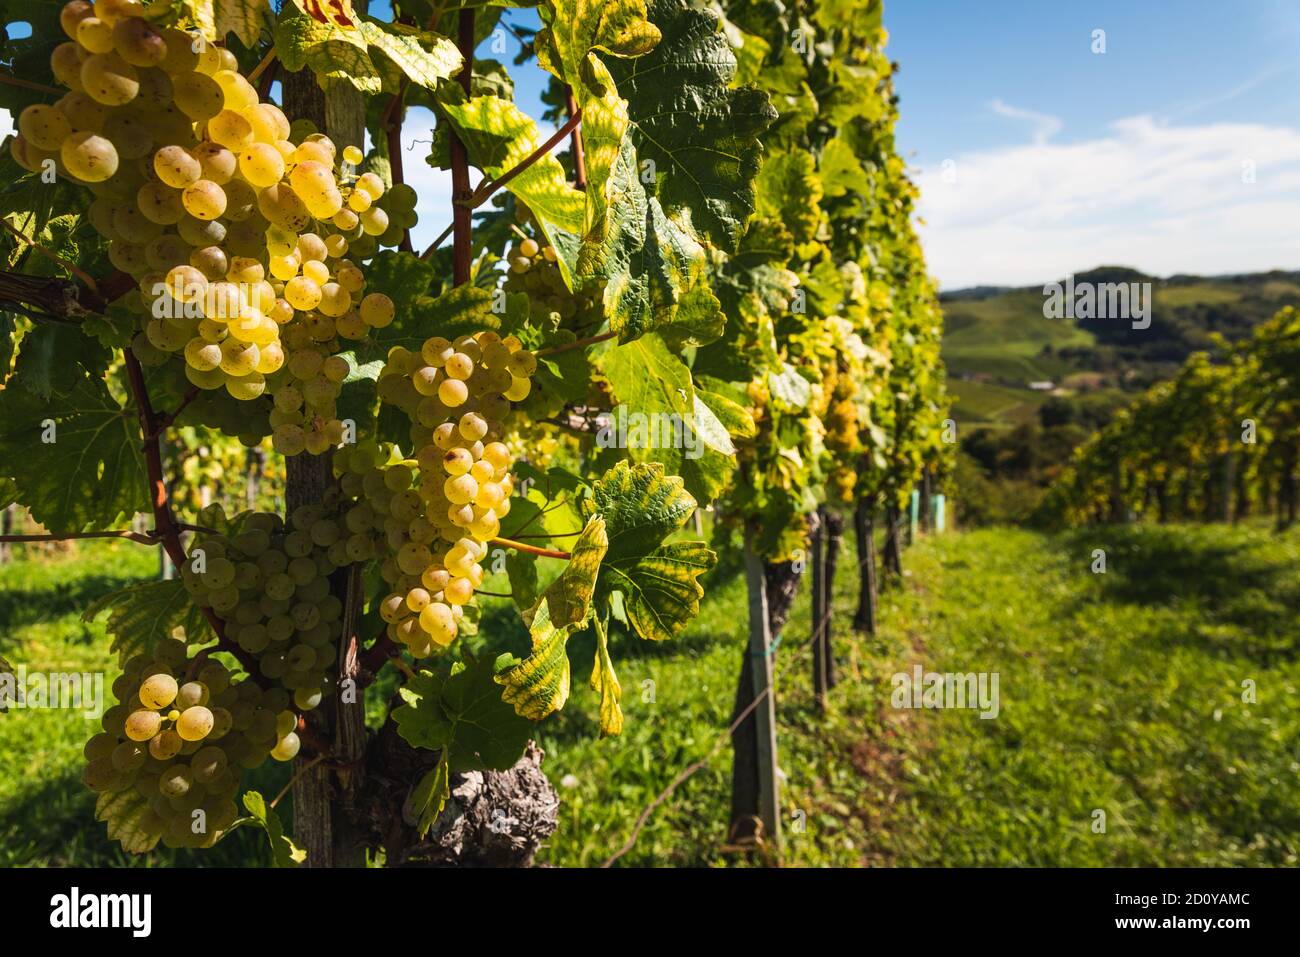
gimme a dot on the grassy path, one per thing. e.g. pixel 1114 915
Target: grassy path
pixel 1119 692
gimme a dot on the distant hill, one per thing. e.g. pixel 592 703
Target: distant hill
pixel 998 342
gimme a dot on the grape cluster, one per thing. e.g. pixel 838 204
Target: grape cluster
pixel 182 736
pixel 535 272
pixel 564 315
pixel 269 585
pixel 429 518
pixel 237 225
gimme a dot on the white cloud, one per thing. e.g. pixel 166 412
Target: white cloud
pixel 1045 126
pixel 1161 198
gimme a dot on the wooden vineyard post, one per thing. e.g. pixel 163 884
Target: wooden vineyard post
pixel 864 527
pixel 755 789
pixel 819 610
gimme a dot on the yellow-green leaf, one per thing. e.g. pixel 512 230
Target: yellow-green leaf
pixel 149 612
pixel 284 851
pixel 568 598
pixel 574 32
pixel 498 136
pixel 661 592
pixel 605 683
pixel 124 813
pixel 431 794
pixel 539 685
pixel 425 58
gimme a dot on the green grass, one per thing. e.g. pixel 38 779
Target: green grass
pixel 46 813
pixel 1119 692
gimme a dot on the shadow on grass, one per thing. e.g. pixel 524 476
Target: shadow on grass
pixel 52 824
pixel 1223 572
pixel 20 607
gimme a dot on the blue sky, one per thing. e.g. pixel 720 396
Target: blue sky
pixel 1178 149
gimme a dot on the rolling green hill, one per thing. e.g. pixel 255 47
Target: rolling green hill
pixel 997 341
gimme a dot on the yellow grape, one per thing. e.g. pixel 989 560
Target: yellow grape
pixel 44 126
pixel 262 165
pixel 204 200
pixel 89 157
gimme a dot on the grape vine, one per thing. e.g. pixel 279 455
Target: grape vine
pixel 715 296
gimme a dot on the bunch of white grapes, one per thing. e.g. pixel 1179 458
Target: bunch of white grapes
pixel 269 585
pixel 182 736
pixel 533 270
pixel 563 314
pixel 236 224
pixel 429 519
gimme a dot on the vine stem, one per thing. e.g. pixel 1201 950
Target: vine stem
pixel 76 270
pixel 29 85
pixel 488 187
pixel 167 421
pixel 576 344
pixel 462 248
pixel 263 66
pixel 374 657
pixel 144 538
pixel 575 142
pixel 485 189
pixel 165 527
pixel 306 766
pixel 529 549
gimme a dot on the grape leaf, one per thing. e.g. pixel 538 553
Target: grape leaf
pixel 790 390
pixel 91 473
pixel 573 32
pixel 655 386
pixel 463 714
pixel 790 191
pixel 149 612
pixel 701 133
pixel 661 592
pixel 641 507
pixel 217 18
pixel 284 851
pixel 653 269
pixel 425 58
pixel 54 357
pixel 430 795
pixel 568 598
pixel 332 52
pixel 498 136
pixel 123 812
pixel 605 683
pixel 401 276
pixel 539 685
pixel 461 309
pixel 841 173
